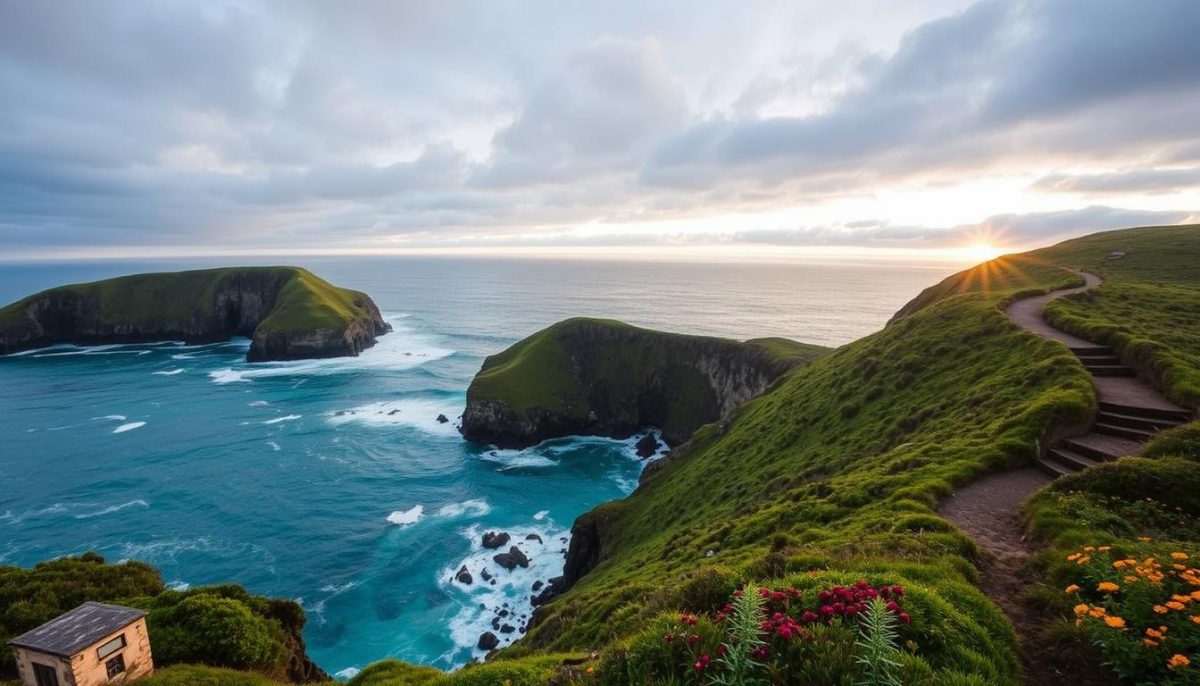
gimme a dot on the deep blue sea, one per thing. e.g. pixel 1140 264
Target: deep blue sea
pixel 331 481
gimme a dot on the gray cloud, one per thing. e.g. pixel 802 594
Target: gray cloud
pixel 249 122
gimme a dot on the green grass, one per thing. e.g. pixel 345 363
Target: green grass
pixel 199 675
pixel 180 304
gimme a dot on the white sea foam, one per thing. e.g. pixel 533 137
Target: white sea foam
pixel 400 349
pixel 541 514
pixel 113 417
pixel 258 403
pixel 418 413
pixel 274 445
pixel 178 585
pixel 470 508
pixel 227 375
pixel 404 518
pixel 288 418
pixel 128 427
pixel 347 673
pixel 169 372
pixel 512 589
pixel 113 508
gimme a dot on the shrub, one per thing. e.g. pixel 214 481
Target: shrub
pixel 213 630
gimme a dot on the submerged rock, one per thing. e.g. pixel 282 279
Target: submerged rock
pixel 485 574
pixel 646 446
pixel 441 419
pixel 533 537
pixel 464 576
pixel 488 641
pixel 493 540
pixel 512 559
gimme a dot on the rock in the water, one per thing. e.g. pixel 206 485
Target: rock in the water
pixel 533 537
pixel 553 588
pixel 463 576
pixel 646 446
pixel 488 641
pixel 512 559
pixel 507 629
pixel 487 576
pixel 493 540
pixel 441 419
pixel 537 586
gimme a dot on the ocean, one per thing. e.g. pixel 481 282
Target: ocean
pixel 331 481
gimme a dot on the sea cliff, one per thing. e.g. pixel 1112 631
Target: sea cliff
pixel 602 377
pixel 287 312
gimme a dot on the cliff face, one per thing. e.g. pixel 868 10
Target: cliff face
pixel 287 312
pixel 600 377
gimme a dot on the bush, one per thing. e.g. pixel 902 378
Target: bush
pixel 213 630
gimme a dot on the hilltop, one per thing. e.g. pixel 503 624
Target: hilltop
pixel 287 312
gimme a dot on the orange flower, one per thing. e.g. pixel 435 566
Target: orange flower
pixel 1154 633
pixel 1179 556
pixel 1160 609
pixel 1148 643
pixel 591 670
pixel 1196 619
pixel 1083 560
pixel 1107 587
pixel 1104 548
pixel 1115 622
pixel 1081 608
pixel 1174 605
pixel 1178 660
pixel 1072 557
pixel 1074 587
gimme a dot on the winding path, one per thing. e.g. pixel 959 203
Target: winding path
pixel 1131 412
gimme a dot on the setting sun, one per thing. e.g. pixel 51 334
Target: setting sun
pixel 981 252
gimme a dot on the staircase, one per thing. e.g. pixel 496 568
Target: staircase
pixel 1130 415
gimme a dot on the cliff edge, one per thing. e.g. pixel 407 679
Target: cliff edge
pixel 603 377
pixel 288 313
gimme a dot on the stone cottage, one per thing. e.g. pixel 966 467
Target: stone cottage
pixel 93 645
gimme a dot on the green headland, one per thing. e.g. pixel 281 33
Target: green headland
pixel 287 312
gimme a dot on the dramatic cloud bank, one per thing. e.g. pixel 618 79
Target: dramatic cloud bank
pixel 183 126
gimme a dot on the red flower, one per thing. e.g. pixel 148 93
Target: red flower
pixel 669 637
pixel 722 650
pixel 809 617
pixel 904 617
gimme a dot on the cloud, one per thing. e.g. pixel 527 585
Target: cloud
pixel 1133 181
pixel 254 122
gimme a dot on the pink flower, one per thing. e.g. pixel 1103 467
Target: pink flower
pixel 904 617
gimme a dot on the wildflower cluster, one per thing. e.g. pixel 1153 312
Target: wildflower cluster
pixel 782 619
pixel 1144 612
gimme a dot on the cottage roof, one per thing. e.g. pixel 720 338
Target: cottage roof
pixel 70 633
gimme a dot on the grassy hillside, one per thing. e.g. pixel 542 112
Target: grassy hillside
pixel 266 303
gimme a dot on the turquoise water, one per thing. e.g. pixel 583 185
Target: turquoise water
pixel 331 481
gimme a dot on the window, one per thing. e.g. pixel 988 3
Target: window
pixel 44 675
pixel 115 666
pixel 111 647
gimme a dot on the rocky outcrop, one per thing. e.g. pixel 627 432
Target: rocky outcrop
pixel 600 377
pixel 287 312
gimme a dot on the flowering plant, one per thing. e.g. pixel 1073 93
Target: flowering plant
pixel 1142 610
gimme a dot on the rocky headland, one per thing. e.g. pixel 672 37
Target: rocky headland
pixel 287 312
pixel 606 378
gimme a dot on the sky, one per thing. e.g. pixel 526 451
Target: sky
pixel 746 127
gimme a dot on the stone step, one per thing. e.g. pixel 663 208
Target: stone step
pixel 1101 447
pixel 1085 350
pixel 1150 424
pixel 1072 459
pixel 1053 467
pixel 1179 416
pixel 1109 370
pixel 1131 433
pixel 1099 360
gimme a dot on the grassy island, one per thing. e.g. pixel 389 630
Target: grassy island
pixel 287 312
